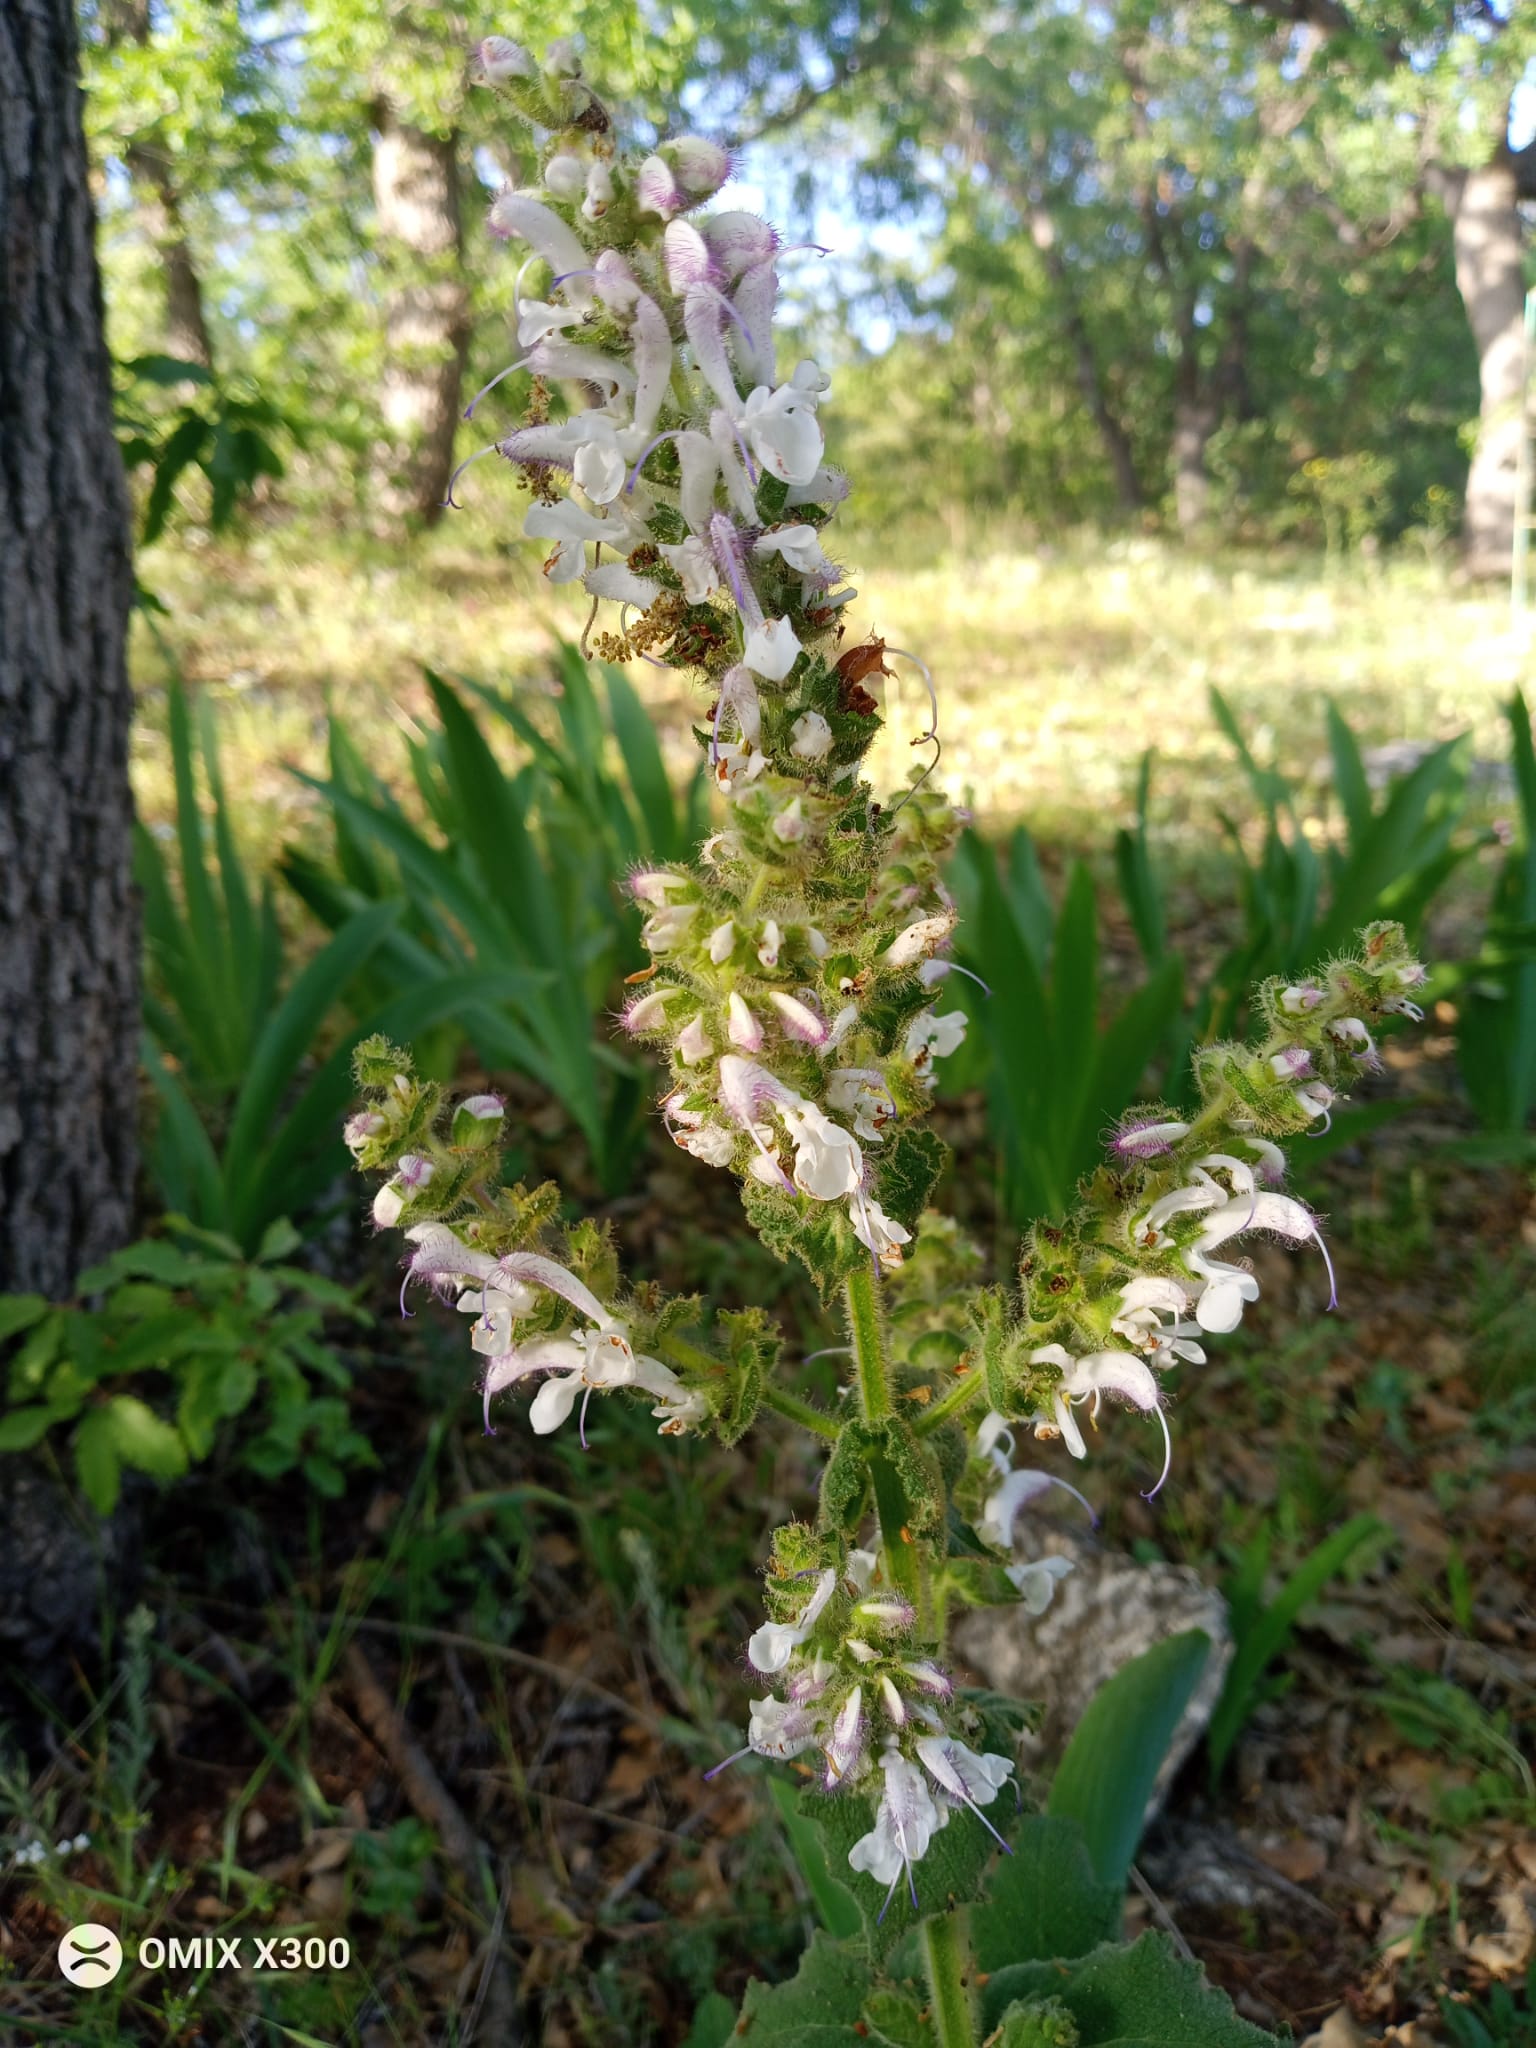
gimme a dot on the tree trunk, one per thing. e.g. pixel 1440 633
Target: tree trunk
pixel 1486 230
pixel 1194 422
pixel 426 305
pixel 159 207
pixel 69 939
pixel 157 199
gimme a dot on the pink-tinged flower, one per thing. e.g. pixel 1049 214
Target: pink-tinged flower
pixel 657 190
pixel 739 241
pixel 844 1747
pixel 1229 1288
pixel 1299 999
pixel 789 824
pixel 780 1730
pixel 700 166
pixel 1147 1137
pixel 499 59
pixel 687 257
pixel 667 926
pixel 693 1044
pixel 648 1012
pixel 906 1821
pixel 741 1026
pixel 887 1611
pixel 929 1678
pixel 798 1019
pixel 1352 1037
pixel 1294 1063
pixel 359 1130
pixel 770 943
pixel 519 214
pixel 1315 1099
pixel 412 1173
pixel 656 886
pixel 962 1775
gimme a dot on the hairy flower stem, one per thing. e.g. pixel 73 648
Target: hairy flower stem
pixel 944 1958
pixel 804 1412
pixel 960 1396
pixel 868 1340
pixel 903 1564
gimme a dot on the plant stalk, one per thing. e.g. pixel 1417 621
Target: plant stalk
pixel 945 1961
pixel 868 1345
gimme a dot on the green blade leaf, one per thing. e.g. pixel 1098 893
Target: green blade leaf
pixel 1105 1779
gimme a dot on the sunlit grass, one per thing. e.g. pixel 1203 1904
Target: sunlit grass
pixel 1056 667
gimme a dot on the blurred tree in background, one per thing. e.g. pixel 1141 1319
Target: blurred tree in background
pixel 1175 253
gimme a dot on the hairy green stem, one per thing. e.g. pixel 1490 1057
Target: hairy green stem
pixel 945 1959
pixel 960 1395
pixel 868 1340
pixel 804 1412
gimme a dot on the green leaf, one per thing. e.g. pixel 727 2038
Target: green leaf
pixel 818 1234
pixel 896 2021
pixel 909 1168
pixel 21 1428
pixel 834 1902
pixel 819 2005
pixel 20 1312
pixel 951 1872
pixel 142 1440
pixel 1105 1779
pixel 1144 1996
pixel 1045 1900
pixel 96 1461
pixel 714 2022
pixel 1270 1630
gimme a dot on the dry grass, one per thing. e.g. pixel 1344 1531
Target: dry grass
pixel 1056 667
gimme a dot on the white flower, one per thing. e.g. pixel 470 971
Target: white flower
pixel 1227 1288
pixel 771 1646
pixel 1147 1140
pixel 828 1163
pixel 798 546
pixel 711 1143
pixel 1037 1581
pixel 565 177
pixel 1089 1379
pixel 599 195
pixel 918 939
pixel 789 825
pixel 780 1729
pixel 906 1821
pixel 656 886
pixel 570 528
pixel 520 214
pixel 620 584
pixel 1145 1301
pixel 872 1227
pixel 862 1093
pixel 771 650
pixel 784 432
pixel 599 466
pixel 722 942
pixel 962 1775
pixel 1298 1000
pixel 694 561
pixel 769 944
pixel 603 1360
pixel 667 926
pixel 931 1038
pixel 810 737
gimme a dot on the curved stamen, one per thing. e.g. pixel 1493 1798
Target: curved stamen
pixel 1167 1456
pixel 1333 1284
pixel 469 410
pixel 933 695
pixel 735 1758
pixel 565 274
pixel 645 455
pixel 832 1351
pixel 469 462
pixel 581 1426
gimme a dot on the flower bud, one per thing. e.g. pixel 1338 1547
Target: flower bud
pixel 648 1012
pixel 565 177
pixel 771 650
pixel 700 167
pixel 1297 1001
pixel 798 1018
pixel 741 1027
pixel 789 825
pixel 687 256
pixel 656 190
pixel 359 1130
pixel 477 1120
pixel 500 58
pixel 738 241
pixel 918 939
pixel 693 1043
pixel 562 58
pixel 655 885
pixel 810 737
pixel 599 192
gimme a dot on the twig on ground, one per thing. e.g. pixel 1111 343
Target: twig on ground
pixel 1162 1916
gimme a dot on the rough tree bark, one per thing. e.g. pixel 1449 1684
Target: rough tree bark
pixel 1488 239
pixel 69 940
pixel 426 304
